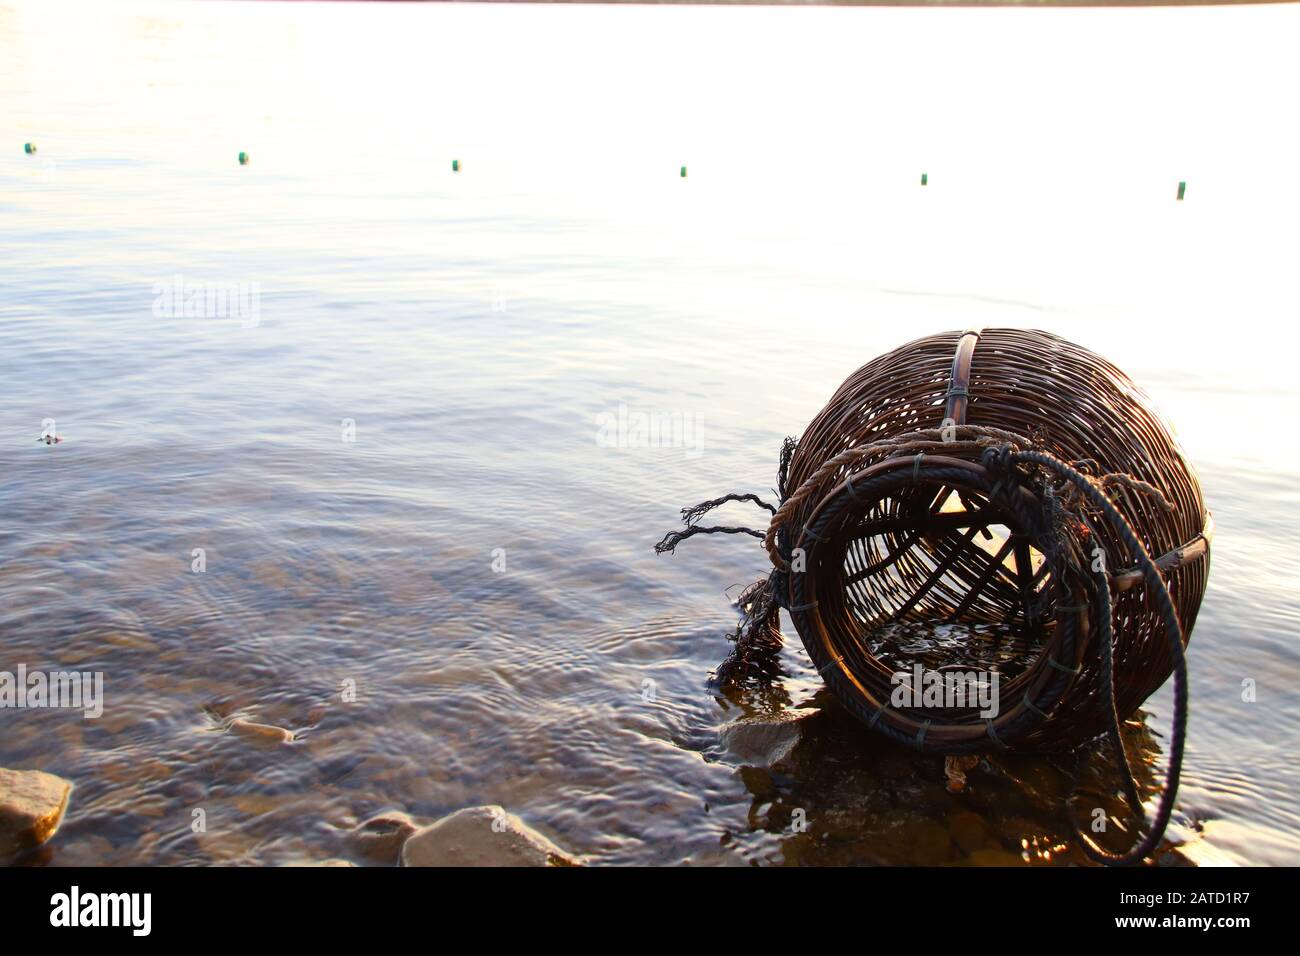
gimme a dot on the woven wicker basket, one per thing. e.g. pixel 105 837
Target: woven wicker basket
pixel 1002 509
pixel 916 534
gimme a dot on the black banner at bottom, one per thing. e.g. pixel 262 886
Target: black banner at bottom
pixel 336 906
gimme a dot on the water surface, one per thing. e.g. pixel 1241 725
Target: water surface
pixel 474 561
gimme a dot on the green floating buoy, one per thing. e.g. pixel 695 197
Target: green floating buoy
pixel 1182 188
pixel 455 165
pixel 243 159
pixel 29 148
pixel 683 172
pixel 925 179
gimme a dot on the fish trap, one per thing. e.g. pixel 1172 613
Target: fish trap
pixel 998 502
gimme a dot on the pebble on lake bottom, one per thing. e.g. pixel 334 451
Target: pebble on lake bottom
pixel 262 732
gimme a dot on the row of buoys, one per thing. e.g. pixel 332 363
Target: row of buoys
pixel 30 148
pixel 925 181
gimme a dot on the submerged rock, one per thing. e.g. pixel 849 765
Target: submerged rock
pixel 968 830
pixel 333 861
pixel 761 743
pixel 923 843
pixel 32 803
pixel 482 836
pixel 262 732
pixel 381 837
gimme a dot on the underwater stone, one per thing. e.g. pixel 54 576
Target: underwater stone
pixel 482 836
pixel 263 732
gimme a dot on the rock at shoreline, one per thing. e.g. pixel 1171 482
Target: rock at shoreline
pixel 482 836
pixel 32 803
pixel 381 837
pixel 262 732
pixel 761 743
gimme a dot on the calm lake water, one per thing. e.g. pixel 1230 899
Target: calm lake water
pixel 473 561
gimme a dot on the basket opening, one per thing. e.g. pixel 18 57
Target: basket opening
pixel 937 575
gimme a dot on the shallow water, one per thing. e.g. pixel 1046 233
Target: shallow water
pixel 480 329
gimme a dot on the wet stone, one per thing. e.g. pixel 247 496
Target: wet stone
pixel 482 836
pixel 381 837
pixel 758 782
pixel 32 804
pixel 264 733
pixel 761 743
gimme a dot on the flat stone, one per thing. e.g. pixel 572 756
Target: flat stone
pixel 481 836
pixel 381 837
pixel 761 742
pixel 262 732
pixel 32 803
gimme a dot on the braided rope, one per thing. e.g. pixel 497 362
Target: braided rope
pixel 1159 592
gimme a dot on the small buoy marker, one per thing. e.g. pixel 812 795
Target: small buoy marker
pixel 683 172
pixel 925 179
pixel 1182 188
pixel 455 165
pixel 29 148
pixel 243 159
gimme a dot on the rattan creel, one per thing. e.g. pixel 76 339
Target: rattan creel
pixel 892 515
